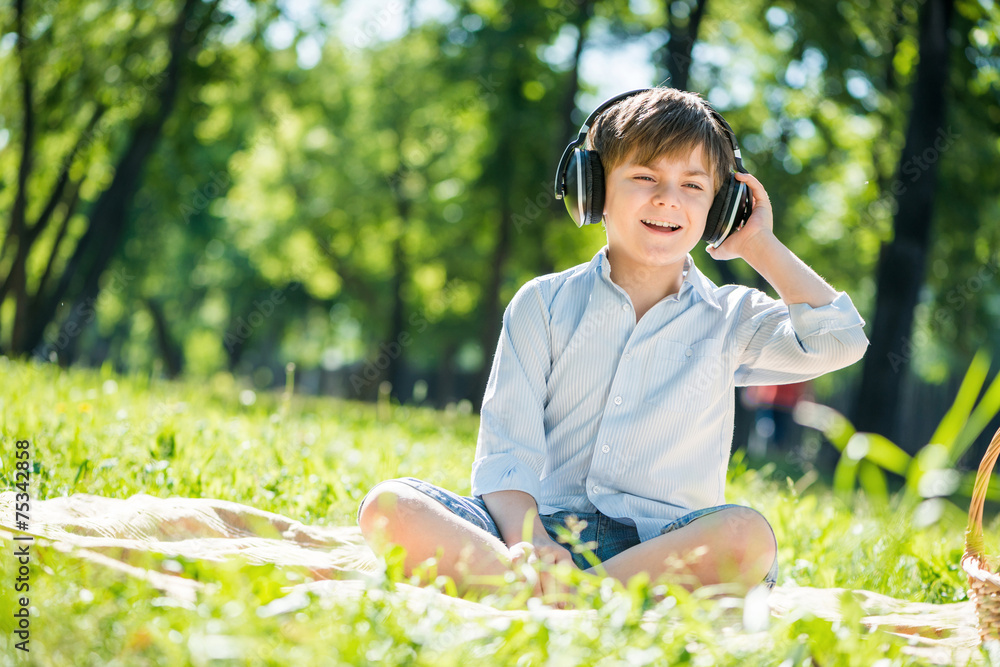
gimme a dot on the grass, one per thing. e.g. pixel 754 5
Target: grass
pixel 313 459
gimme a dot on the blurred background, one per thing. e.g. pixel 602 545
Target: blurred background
pixel 191 188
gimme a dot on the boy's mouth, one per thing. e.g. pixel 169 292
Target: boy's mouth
pixel 661 226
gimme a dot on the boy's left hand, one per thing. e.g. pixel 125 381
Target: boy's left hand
pixel 760 223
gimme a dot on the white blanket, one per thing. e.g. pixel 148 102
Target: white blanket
pixel 119 533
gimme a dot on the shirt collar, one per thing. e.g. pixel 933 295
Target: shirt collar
pixel 704 287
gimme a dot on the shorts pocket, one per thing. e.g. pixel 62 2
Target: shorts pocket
pixel 684 376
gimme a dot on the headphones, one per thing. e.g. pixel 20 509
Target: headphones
pixel 580 183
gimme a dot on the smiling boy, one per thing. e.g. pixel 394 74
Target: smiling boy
pixel 611 395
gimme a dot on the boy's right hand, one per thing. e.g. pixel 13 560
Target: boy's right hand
pixel 544 550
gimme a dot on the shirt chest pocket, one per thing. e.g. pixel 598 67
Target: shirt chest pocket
pixel 684 377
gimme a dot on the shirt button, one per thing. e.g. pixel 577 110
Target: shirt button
pixel 688 352
pixel 624 306
pixel 618 400
pixel 628 355
pixel 605 449
pixel 596 489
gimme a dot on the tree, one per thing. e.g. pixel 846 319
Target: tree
pixel 903 260
pixel 155 92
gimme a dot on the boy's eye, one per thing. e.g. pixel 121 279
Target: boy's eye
pixel 695 186
pixel 648 178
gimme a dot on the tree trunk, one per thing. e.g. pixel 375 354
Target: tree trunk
pixel 683 35
pixel 17 279
pixel 109 216
pixel 395 348
pixel 902 261
pixel 444 392
pixel 492 309
pixel 235 347
pixel 72 329
pixel 26 236
pixel 173 357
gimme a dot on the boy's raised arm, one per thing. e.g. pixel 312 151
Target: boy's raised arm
pixel 826 329
pixel 791 278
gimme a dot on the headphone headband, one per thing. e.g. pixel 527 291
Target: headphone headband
pixel 560 184
pixel 582 138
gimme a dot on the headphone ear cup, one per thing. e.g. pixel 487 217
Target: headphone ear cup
pixel 595 189
pixel 745 207
pixel 715 224
pixel 575 178
pixel 584 178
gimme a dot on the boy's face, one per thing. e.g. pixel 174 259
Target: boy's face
pixel 676 193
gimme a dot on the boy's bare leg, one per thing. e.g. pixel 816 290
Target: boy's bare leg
pixel 396 513
pixel 734 545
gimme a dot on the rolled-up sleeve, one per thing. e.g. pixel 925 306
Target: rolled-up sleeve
pixel 782 344
pixel 510 452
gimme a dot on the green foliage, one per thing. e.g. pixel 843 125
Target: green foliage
pixel 930 474
pixel 313 460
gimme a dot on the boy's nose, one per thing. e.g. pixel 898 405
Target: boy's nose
pixel 667 195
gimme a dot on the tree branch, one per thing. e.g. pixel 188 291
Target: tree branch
pixel 60 186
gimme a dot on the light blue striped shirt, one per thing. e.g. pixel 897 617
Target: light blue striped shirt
pixel 586 410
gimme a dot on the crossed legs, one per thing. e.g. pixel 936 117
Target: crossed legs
pixel 396 513
pixel 733 545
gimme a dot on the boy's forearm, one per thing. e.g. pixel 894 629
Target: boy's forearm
pixel 792 279
pixel 508 509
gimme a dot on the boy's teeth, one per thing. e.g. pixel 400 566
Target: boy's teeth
pixel 657 223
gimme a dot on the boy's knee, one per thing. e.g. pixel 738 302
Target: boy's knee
pixel 750 534
pixel 387 506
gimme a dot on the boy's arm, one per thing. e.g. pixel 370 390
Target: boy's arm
pixel 509 509
pixel 510 448
pixel 791 278
pixel 821 330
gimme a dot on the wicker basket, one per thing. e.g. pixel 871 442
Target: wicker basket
pixel 985 583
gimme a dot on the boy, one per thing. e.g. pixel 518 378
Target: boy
pixel 611 395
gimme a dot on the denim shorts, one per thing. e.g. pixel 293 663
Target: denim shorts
pixel 611 537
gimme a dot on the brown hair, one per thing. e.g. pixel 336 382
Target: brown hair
pixel 658 123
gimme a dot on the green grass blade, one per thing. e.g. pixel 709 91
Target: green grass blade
pixel 844 476
pixel 958 414
pixel 884 453
pixel 835 426
pixel 873 481
pixel 980 418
